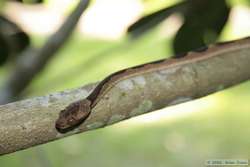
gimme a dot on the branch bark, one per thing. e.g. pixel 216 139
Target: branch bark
pixel 31 122
pixel 32 61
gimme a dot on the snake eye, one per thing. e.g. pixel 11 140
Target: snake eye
pixel 70 121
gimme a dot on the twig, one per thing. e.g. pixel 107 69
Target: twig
pixel 32 61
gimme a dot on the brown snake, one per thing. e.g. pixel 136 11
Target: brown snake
pixel 75 114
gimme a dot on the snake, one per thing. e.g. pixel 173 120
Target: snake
pixel 77 112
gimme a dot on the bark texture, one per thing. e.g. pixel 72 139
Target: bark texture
pixel 31 122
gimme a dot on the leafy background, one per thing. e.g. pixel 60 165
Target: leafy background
pixel 214 127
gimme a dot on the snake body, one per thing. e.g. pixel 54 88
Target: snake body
pixel 78 111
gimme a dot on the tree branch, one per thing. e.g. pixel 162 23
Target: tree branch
pixel 32 61
pixel 31 122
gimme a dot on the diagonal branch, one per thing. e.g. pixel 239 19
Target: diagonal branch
pixel 32 61
pixel 31 122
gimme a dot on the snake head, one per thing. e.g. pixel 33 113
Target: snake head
pixel 73 115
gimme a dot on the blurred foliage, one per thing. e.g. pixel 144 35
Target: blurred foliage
pixel 94 59
pixel 3 50
pixel 2 3
pixel 29 1
pixel 151 6
pixel 203 22
pixel 219 130
pixel 239 2
pixel 148 22
pixel 13 40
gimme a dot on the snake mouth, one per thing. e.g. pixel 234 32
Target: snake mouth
pixel 61 127
pixel 64 129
